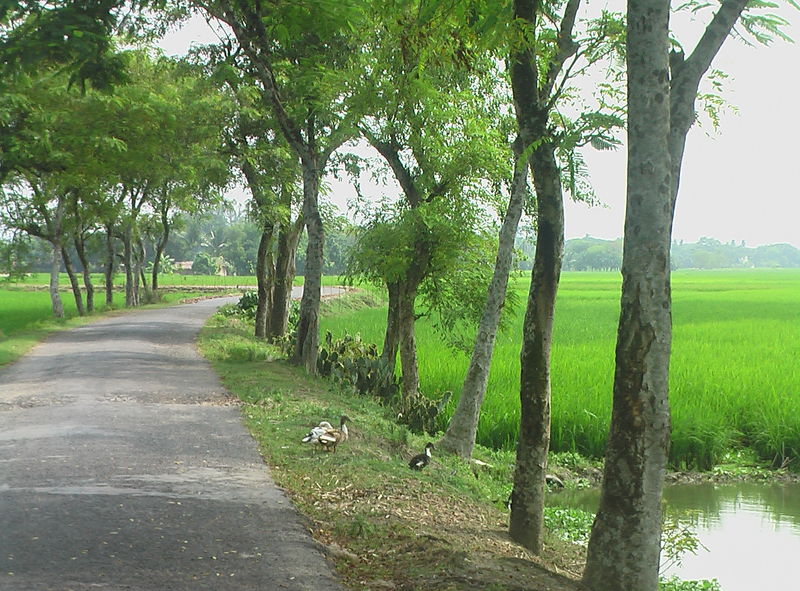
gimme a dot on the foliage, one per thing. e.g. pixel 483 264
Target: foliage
pixel 596 254
pixel 732 379
pixel 354 364
pixel 572 525
pixel 677 538
pixel 203 264
pixel 676 584
pixel 245 307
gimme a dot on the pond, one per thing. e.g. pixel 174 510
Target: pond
pixel 751 532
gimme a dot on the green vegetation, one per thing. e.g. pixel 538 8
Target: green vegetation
pixel 363 500
pixel 378 519
pixel 734 381
pixel 26 318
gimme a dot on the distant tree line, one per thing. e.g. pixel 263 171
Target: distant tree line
pixel 595 254
pixel 224 241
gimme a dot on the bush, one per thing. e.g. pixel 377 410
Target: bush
pixel 353 363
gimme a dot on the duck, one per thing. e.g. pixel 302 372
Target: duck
pixel 313 435
pixel 334 436
pixel 419 461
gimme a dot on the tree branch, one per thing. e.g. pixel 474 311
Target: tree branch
pixel 566 46
pixel 690 71
pixel 392 157
pixel 254 27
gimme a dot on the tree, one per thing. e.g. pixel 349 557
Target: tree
pixel 168 121
pixel 542 61
pixel 625 540
pixel 57 153
pixel 304 73
pixel 431 113
pixel 623 550
pixel 272 174
pixel 194 165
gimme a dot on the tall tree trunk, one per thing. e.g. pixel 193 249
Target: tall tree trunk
pixel 161 245
pixel 55 269
pixel 408 343
pixel 460 435
pixel 265 276
pixel 624 546
pixel 73 281
pixel 527 505
pixel 391 340
pixel 109 266
pixel 80 249
pixel 130 272
pixel 288 239
pixel 307 345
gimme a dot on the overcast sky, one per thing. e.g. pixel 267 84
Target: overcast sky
pixel 740 183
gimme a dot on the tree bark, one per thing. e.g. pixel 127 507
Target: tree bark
pixel 73 281
pixel 161 245
pixel 265 276
pixel 80 249
pixel 533 101
pixel 141 277
pixel 624 546
pixel 130 275
pixel 408 343
pixel 391 340
pixel 288 239
pixel 527 506
pixel 55 268
pixel 109 266
pixel 460 435
pixel 307 345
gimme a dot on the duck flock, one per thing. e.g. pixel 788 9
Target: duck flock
pixel 328 437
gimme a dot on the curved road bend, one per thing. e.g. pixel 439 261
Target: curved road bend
pixel 121 468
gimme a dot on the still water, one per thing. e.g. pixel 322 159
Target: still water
pixel 751 532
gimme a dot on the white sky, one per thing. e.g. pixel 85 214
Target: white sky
pixel 740 183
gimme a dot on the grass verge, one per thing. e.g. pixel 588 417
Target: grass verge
pixel 26 318
pixel 383 525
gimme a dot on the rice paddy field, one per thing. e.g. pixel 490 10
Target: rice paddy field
pixel 735 369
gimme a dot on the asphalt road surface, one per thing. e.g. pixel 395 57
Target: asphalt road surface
pixel 124 468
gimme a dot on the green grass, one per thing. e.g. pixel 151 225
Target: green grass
pixel 734 376
pixel 26 317
pixel 364 498
pixel 172 280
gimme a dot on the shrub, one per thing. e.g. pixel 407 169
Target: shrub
pixel 353 363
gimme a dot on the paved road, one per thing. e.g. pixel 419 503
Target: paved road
pixel 123 468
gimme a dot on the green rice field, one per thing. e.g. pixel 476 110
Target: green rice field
pixel 735 376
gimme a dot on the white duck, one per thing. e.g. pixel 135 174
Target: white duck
pixel 333 437
pixel 314 434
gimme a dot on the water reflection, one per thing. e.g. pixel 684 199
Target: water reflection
pixel 751 531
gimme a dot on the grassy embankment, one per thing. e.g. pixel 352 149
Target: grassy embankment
pixel 734 379
pixel 384 525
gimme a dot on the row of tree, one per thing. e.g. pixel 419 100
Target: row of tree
pixel 594 254
pixel 222 241
pixel 225 241
pixel 460 102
